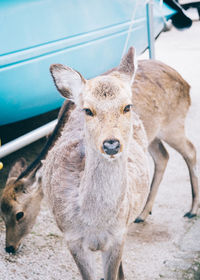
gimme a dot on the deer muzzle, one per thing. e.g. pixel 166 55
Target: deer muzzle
pixel 10 249
pixel 111 146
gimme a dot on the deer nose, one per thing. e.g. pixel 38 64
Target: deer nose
pixel 10 249
pixel 111 146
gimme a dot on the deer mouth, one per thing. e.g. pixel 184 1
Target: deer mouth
pixel 111 157
pixel 13 249
pixel 10 249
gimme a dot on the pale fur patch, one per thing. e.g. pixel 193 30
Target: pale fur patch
pixel 111 158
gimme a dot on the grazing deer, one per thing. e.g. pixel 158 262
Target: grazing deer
pixel 20 204
pixel 22 195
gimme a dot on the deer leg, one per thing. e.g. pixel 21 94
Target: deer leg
pixel 83 260
pixel 112 263
pixel 160 157
pixel 120 273
pixel 188 151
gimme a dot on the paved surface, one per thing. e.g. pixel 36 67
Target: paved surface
pixel 181 50
pixel 166 246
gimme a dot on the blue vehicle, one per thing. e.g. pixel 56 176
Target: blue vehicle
pixel 86 35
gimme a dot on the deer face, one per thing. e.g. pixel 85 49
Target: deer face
pixel 20 204
pixel 106 102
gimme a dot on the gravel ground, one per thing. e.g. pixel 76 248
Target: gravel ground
pixel 166 246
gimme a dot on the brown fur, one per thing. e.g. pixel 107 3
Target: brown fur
pixel 19 193
pixel 19 197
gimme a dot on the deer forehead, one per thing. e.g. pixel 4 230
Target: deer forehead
pixel 107 87
pixel 106 92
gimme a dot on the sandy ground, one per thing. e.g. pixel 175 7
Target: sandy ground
pixel 166 246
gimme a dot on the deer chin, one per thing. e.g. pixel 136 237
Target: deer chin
pixel 112 157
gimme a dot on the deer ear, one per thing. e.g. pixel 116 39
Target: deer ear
pixel 128 64
pixel 17 168
pixel 69 82
pixel 29 184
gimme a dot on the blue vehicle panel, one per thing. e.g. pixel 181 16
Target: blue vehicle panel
pixel 86 35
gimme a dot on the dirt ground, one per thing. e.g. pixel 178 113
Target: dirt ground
pixel 166 246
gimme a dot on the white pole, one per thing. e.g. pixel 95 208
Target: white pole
pixel 27 139
pixel 150 29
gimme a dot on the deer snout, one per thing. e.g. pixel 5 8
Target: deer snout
pixel 10 249
pixel 111 146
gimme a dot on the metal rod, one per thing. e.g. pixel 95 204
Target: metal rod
pixel 27 139
pixel 150 29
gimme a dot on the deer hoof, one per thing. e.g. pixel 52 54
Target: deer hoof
pixel 138 220
pixel 189 215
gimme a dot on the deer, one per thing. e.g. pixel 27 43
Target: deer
pixel 160 96
pixel 21 198
pixel 96 177
pixel 97 181
pixel 20 205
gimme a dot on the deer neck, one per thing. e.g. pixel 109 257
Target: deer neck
pixel 103 183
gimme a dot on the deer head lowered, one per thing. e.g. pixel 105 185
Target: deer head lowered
pixel 22 195
pixel 20 205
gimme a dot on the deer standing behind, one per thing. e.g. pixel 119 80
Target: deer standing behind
pixel 161 98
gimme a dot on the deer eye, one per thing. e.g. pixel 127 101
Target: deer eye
pixel 88 112
pixel 19 216
pixel 127 108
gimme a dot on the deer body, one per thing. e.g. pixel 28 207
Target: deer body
pixel 94 200
pixel 161 98
pixel 96 175
pixel 112 186
pixel 88 185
